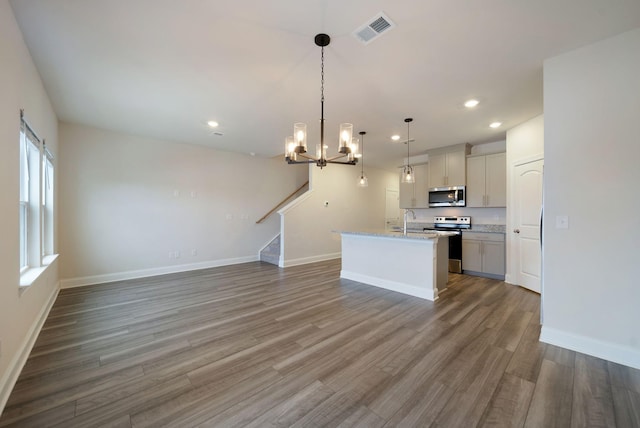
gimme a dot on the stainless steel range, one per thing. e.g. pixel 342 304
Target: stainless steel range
pixel 457 225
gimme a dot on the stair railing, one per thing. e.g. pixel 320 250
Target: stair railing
pixel 281 203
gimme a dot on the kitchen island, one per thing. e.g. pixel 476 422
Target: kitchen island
pixel 414 264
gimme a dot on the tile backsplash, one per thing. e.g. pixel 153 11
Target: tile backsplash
pixel 478 215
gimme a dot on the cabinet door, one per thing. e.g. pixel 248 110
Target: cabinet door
pixel 476 181
pixel 422 185
pixel 415 195
pixel 437 170
pixel 496 180
pixel 492 257
pixel 456 171
pixel 472 255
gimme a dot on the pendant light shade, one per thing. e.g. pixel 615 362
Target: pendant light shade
pixel 363 181
pixel 408 176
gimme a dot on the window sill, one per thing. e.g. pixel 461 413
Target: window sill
pixel 30 276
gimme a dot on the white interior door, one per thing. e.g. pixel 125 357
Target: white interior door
pixel 392 210
pixel 526 226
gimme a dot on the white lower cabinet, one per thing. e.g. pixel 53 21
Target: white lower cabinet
pixel 483 254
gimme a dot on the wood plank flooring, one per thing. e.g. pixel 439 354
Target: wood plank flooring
pixel 253 345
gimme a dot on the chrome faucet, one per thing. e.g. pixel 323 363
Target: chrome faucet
pixel 406 212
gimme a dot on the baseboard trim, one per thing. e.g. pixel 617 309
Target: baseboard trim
pixel 484 275
pixel 399 287
pixel 122 276
pixel 8 381
pixel 608 351
pixel 307 260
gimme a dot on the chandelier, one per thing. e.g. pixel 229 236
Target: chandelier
pixel 296 145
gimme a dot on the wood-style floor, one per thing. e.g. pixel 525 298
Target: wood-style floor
pixel 253 345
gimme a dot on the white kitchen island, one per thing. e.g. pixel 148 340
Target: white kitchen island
pixel 414 264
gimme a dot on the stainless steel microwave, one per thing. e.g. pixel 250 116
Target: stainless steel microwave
pixel 453 196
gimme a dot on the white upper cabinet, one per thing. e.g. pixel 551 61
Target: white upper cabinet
pixel 416 195
pixel 487 180
pixel 448 169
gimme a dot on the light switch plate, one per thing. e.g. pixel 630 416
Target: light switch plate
pixel 562 222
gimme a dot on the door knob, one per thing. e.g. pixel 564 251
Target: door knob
pixel 516 230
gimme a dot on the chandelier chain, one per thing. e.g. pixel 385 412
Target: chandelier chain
pixel 322 75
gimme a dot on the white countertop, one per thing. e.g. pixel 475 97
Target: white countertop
pixel 486 228
pixel 432 234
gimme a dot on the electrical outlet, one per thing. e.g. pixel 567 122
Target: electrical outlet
pixel 176 254
pixel 194 194
pixel 194 252
pixel 170 255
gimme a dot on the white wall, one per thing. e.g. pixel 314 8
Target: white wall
pixel 20 87
pixel 591 295
pixel 128 202
pixel 525 143
pixel 307 225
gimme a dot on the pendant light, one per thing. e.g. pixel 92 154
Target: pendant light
pixel 296 146
pixel 363 181
pixel 408 176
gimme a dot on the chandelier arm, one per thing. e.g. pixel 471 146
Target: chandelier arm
pixel 306 156
pixel 290 161
pixel 336 157
pixel 351 162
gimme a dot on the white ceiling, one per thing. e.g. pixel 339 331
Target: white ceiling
pixel 162 68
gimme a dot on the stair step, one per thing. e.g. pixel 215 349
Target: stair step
pixel 271 253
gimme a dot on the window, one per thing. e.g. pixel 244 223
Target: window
pixel 36 199
pixel 47 203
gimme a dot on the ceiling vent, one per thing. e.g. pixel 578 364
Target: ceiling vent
pixel 374 28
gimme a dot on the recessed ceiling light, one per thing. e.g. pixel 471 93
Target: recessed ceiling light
pixel 395 137
pixel 471 103
pixel 495 125
pixel 212 124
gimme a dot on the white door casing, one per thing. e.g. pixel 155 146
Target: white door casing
pixel 525 230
